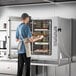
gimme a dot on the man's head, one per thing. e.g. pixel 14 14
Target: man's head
pixel 25 18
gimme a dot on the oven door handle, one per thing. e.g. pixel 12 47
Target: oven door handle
pixel 59 29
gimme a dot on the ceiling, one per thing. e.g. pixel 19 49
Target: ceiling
pixel 63 0
pixel 19 2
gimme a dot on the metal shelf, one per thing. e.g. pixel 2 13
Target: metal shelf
pixel 3 29
pixel 13 30
pixel 13 48
pixel 3 50
pixel 41 43
pixel 41 51
pixel 41 30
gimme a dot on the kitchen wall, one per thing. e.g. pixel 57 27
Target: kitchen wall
pixel 43 11
pixel 37 11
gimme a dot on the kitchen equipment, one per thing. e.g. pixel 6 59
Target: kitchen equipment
pixel 42 27
pixel 3 44
pixel 57 44
pixel 5 26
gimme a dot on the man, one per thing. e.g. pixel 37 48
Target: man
pixel 26 33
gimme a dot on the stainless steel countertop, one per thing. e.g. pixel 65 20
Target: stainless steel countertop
pixel 39 62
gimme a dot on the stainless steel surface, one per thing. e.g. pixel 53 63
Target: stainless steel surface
pixel 64 37
pixel 8 67
pixel 73 37
pixel 49 62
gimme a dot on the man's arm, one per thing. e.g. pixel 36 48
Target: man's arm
pixel 29 35
pixel 17 35
pixel 33 39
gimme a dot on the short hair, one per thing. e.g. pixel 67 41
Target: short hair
pixel 24 16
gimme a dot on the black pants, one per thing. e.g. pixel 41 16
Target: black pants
pixel 21 60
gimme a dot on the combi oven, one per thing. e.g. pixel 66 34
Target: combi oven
pixel 57 44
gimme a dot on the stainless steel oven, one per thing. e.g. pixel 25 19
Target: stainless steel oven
pixel 56 44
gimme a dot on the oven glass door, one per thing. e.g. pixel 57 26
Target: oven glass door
pixel 44 46
pixel 13 52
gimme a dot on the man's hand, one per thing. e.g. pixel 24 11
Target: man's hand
pixel 17 40
pixel 33 39
pixel 40 37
